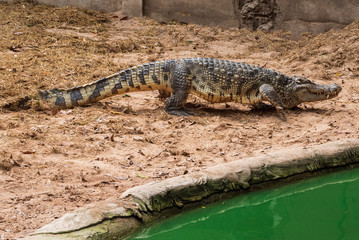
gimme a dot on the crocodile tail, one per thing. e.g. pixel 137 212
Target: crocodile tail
pixel 147 77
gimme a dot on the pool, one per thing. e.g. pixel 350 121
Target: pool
pixel 324 207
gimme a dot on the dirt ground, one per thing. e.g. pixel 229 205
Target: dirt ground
pixel 52 163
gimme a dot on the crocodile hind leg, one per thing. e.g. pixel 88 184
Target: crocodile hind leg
pixel 180 84
pixel 269 94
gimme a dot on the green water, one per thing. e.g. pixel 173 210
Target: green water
pixel 325 207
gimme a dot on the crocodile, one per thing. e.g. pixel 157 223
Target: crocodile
pixel 214 80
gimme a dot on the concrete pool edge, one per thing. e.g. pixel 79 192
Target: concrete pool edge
pixel 138 206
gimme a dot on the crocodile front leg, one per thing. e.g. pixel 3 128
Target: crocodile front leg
pixel 269 94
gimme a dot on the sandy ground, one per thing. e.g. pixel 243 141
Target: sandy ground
pixel 52 163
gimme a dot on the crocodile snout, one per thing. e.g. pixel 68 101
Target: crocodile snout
pixel 335 88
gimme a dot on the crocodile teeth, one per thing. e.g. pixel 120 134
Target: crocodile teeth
pixel 328 96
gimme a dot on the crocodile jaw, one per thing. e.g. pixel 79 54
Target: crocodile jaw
pixel 316 92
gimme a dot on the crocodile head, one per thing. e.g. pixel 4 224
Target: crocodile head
pixel 303 90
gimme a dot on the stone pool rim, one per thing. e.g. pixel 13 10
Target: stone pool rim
pixel 141 205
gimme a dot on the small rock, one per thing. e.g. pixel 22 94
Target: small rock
pixel 138 138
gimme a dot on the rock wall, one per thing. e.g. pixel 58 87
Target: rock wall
pixel 315 16
pixel 299 16
pixel 97 5
pixel 212 13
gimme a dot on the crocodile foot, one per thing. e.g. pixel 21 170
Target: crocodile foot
pixel 180 112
